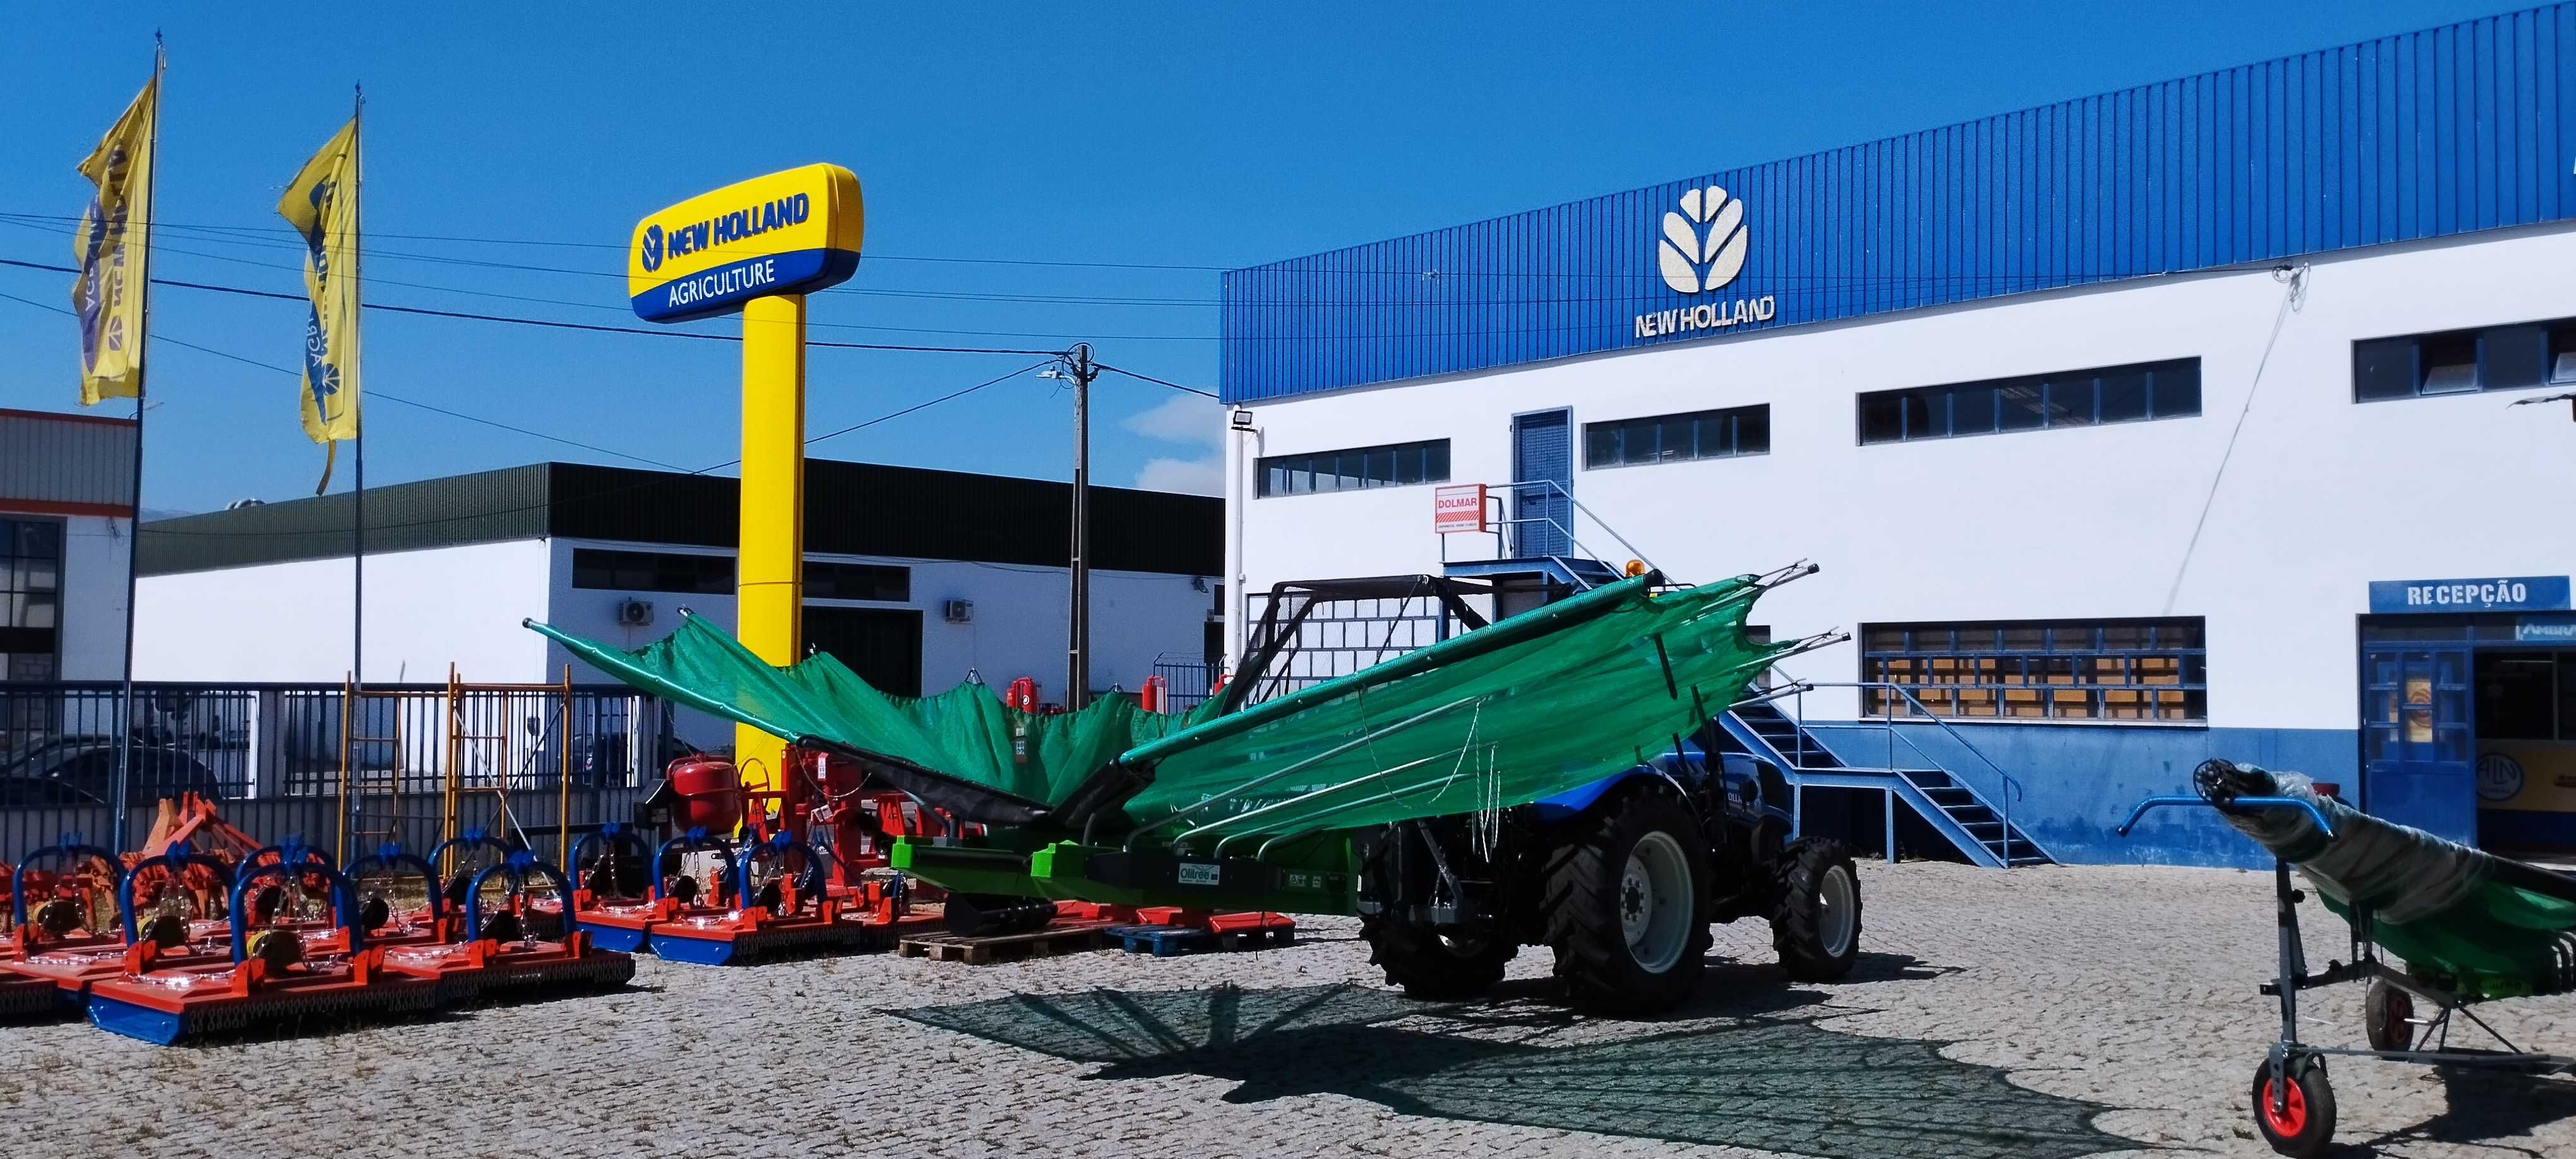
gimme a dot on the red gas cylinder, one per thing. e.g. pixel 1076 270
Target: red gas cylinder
pixel 1154 696
pixel 710 792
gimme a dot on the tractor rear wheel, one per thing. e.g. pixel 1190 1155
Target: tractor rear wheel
pixel 1626 902
pixel 1433 966
pixel 1815 925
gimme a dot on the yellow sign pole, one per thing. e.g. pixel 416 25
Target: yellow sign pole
pixel 769 577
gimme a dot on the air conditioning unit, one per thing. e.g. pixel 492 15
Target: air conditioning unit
pixel 957 611
pixel 634 613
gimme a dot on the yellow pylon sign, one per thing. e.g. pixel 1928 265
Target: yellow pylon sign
pixel 758 247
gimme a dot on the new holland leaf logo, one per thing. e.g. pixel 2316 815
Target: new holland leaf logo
pixel 1703 244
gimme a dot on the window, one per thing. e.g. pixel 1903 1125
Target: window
pixel 2096 670
pixel 1391 465
pixel 2514 357
pixel 2526 695
pixel 652 571
pixel 31 585
pixel 1708 434
pixel 857 581
pixel 2075 398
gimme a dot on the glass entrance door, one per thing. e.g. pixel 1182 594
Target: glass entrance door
pixel 2418 733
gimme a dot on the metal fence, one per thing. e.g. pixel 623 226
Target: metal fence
pixel 271 754
pixel 1186 683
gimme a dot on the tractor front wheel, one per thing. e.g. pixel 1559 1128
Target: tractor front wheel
pixel 1627 903
pixel 1815 925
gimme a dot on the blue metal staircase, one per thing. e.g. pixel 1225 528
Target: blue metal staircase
pixel 1953 808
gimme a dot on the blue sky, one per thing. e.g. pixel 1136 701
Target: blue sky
pixel 509 148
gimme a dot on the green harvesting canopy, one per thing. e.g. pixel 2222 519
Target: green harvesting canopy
pixel 1514 712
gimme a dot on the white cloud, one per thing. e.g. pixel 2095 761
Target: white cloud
pixel 1181 419
pixel 1188 476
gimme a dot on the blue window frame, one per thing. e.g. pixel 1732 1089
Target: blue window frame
pixel 1706 434
pixel 1389 465
pixel 2513 357
pixel 2072 398
pixel 2127 670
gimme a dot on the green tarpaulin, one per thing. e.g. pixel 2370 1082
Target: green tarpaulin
pixel 1510 713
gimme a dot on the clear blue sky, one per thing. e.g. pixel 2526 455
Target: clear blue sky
pixel 1185 135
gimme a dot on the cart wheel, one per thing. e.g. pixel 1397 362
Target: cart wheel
pixel 2387 1014
pixel 2305 1122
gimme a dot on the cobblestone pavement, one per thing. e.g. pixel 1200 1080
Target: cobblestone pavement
pixel 2130 990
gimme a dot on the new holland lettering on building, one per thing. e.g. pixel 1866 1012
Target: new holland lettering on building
pixel 786 233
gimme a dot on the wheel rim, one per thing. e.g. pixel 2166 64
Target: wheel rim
pixel 1655 903
pixel 1838 911
pixel 2292 1115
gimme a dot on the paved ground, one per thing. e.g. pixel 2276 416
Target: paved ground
pixel 2044 1013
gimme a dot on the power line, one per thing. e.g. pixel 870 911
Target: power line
pixel 388 396
pixel 1152 379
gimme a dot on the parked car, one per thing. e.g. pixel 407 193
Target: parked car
pixel 81 770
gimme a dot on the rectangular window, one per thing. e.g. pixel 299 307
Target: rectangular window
pixel 1388 465
pixel 2075 398
pixel 652 571
pixel 2518 356
pixel 2117 671
pixel 857 581
pixel 1707 434
pixel 31 586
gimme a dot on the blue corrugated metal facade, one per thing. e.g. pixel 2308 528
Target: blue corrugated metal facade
pixel 2466 127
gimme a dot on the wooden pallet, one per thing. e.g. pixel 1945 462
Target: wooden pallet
pixel 1056 938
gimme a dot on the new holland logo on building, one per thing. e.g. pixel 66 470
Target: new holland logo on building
pixel 1702 249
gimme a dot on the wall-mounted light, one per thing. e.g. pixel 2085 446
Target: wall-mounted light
pixel 1241 419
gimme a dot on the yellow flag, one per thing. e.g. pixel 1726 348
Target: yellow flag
pixel 114 251
pixel 322 204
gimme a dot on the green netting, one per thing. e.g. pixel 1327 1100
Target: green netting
pixel 2498 942
pixel 966 732
pixel 1510 713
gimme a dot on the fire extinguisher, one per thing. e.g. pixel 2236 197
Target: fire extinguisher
pixel 1022 695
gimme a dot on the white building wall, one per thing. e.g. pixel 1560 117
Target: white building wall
pixel 2320 495
pixel 291 621
pixel 91 644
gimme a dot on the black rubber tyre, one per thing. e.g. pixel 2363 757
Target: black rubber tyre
pixel 2385 1014
pixel 1600 890
pixel 374 912
pixel 981 915
pixel 2305 1125
pixel 1816 944
pixel 1431 967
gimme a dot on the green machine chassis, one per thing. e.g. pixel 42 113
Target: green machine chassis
pixel 1318 874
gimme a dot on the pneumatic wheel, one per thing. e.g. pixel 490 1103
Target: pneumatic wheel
pixel 2387 1016
pixel 2303 1124
pixel 1816 923
pixel 1626 902
pixel 1433 966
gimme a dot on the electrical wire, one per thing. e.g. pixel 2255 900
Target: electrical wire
pixel 2295 281
pixel 1152 379
pixel 386 395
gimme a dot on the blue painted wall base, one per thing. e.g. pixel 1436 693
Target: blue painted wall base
pixel 2081 780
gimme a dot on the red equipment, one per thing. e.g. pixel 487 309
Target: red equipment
pixel 1154 696
pixel 505 955
pixel 162 999
pixel 711 793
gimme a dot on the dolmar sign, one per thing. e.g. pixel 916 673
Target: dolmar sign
pixel 791 232
pixel 1458 508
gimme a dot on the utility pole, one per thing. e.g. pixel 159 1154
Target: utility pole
pixel 1077 682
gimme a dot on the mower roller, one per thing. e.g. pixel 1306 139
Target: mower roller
pixel 501 955
pixel 267 980
pixel 790 912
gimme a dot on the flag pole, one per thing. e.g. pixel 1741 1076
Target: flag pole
pixel 357 420
pixel 120 796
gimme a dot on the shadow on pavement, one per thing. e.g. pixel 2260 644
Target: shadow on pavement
pixel 1758 1082
pixel 2485 1109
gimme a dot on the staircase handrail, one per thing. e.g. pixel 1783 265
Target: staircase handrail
pixel 1562 489
pixel 1887 719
